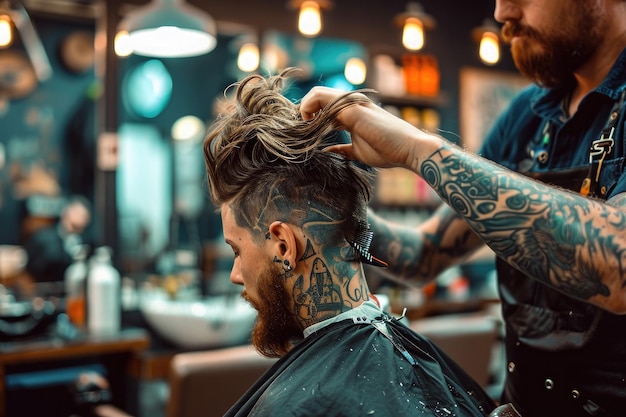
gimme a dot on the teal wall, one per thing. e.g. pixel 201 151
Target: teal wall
pixel 38 128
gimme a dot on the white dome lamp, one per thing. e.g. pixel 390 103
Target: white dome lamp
pixel 169 29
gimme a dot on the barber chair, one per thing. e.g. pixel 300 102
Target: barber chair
pixel 469 339
pixel 208 383
pixel 505 410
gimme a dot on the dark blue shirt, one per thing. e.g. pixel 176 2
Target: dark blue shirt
pixel 537 113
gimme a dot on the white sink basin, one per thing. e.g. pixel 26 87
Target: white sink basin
pixel 196 324
pixel 204 323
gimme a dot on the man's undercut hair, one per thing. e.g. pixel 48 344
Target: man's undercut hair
pixel 269 164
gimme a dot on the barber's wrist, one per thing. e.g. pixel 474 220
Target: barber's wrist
pixel 423 145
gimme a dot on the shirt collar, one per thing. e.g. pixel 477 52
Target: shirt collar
pixel 545 98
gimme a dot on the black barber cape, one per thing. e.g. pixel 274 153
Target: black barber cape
pixel 353 368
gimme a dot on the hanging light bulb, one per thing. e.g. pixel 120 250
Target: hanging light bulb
pixel 489 49
pixel 310 15
pixel 188 128
pixel 489 42
pixel 310 19
pixel 14 20
pixel 414 21
pixel 6 24
pixel 413 34
pixel 122 44
pixel 6 30
pixel 355 71
pixel 249 57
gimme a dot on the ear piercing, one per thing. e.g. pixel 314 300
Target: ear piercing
pixel 286 265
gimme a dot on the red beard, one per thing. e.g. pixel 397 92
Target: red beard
pixel 550 58
pixel 276 328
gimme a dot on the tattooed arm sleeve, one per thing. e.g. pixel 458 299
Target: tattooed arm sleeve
pixel 421 253
pixel 574 244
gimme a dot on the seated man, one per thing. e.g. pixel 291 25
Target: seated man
pixel 296 219
pixel 51 250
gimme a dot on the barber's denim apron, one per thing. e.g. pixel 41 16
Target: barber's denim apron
pixel 564 357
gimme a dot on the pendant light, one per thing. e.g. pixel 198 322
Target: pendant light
pixel 122 44
pixel 169 29
pixel 355 71
pixel 6 25
pixel 15 21
pixel 248 57
pixel 310 16
pixel 488 42
pixel 414 22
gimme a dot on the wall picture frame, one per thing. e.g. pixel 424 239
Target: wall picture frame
pixel 484 94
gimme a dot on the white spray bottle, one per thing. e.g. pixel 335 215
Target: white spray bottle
pixel 103 294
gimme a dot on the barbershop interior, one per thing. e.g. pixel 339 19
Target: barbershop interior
pixel 137 315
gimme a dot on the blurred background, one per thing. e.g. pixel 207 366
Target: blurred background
pixel 86 110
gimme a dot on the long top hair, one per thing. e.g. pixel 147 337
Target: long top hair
pixel 266 161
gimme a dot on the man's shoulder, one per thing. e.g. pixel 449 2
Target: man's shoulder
pixel 43 235
pixel 346 370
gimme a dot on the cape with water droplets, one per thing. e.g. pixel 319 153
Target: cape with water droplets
pixel 351 369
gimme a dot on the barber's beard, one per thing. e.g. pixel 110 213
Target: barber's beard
pixel 276 327
pixel 551 57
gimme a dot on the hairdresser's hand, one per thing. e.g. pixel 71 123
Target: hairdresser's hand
pixel 378 138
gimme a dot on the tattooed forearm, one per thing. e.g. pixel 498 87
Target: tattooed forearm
pixel 420 254
pixel 440 250
pixel 400 247
pixel 575 244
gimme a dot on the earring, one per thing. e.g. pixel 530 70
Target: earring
pixel 287 266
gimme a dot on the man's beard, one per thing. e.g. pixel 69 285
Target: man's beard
pixel 276 327
pixel 550 58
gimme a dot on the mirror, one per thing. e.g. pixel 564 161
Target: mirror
pixel 162 203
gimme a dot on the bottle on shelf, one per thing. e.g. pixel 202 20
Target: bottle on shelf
pixel 75 279
pixel 103 294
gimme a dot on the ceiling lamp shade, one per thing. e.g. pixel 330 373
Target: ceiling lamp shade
pixel 169 29
pixel 414 21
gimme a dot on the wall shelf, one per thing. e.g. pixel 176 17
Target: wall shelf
pixel 413 100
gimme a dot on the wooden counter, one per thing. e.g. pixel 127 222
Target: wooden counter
pixel 118 353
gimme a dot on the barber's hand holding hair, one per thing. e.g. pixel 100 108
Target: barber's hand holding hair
pixel 379 138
